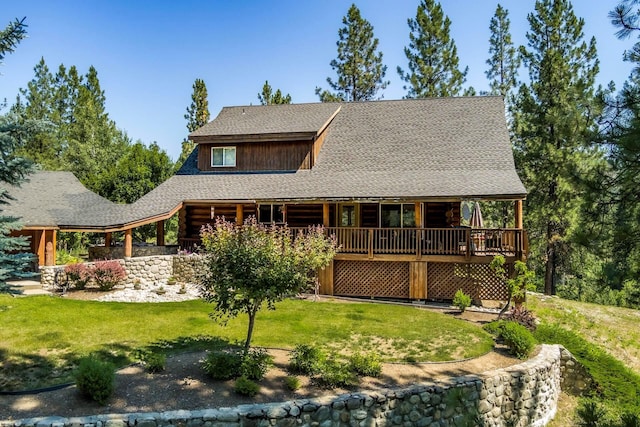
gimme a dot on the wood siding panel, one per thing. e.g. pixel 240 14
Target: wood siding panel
pixel 261 156
pixel 195 216
pixel 304 215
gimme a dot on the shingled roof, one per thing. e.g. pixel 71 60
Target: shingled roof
pixel 434 148
pixel 58 200
pixel 423 149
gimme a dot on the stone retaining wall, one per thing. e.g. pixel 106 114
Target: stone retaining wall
pixel 147 269
pixel 520 395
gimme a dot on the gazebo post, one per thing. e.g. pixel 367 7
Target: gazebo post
pixel 128 243
pixel 107 239
pixel 239 214
pixel 160 233
pixel 518 214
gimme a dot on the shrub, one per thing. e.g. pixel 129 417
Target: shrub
pixel 246 387
pixel 494 328
pixel 292 382
pixel 306 359
pixel 95 379
pixel 524 317
pixel 223 365
pixel 155 362
pixel 367 365
pixel 255 364
pixel 107 274
pixel 590 414
pixel 172 280
pixel 518 338
pixel 79 275
pixel 461 300
pixel 335 374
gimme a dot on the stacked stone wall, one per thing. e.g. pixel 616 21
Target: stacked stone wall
pixel 520 395
pixel 186 267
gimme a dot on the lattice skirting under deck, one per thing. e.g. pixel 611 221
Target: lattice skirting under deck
pixel 371 279
pixel 477 280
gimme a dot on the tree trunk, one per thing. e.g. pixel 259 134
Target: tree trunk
pixel 252 319
pixel 550 268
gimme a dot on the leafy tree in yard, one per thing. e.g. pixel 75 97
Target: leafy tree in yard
pixel 253 265
pixel 13 170
pixel 554 124
pixel 358 65
pixel 197 116
pixel 518 285
pixel 269 97
pixel 504 61
pixel 432 55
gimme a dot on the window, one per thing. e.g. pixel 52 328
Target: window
pixel 348 216
pixel 223 157
pixel 268 214
pixel 398 215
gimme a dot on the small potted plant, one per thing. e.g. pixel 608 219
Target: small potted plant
pixel 171 280
pixel 183 289
pixel 161 290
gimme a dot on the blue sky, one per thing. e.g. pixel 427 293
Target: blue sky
pixel 148 53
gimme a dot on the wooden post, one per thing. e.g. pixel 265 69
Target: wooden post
pixel 325 277
pixel 325 214
pixel 54 244
pixel 418 210
pixel 107 239
pixel 40 245
pixel 128 243
pixel 518 214
pixel 418 214
pixel 239 214
pixel 160 233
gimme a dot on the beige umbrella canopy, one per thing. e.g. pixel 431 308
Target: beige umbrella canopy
pixel 476 220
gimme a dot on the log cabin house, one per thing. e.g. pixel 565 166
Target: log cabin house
pixel 386 177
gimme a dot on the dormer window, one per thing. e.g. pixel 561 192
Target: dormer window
pixel 223 157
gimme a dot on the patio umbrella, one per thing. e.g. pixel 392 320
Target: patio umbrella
pixel 476 220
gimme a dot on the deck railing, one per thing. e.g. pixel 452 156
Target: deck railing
pixel 421 241
pixel 430 241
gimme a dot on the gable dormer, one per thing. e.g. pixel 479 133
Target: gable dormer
pixel 283 138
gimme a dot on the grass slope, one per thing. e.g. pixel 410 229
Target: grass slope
pixel 42 337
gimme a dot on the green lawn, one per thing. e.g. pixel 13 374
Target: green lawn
pixel 42 337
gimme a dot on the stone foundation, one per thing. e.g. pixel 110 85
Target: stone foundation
pixel 520 395
pixel 117 252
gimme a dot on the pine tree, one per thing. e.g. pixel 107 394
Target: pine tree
pixel 13 169
pixel 359 63
pixel 197 116
pixel 432 55
pixel 554 122
pixel 503 61
pixel 268 97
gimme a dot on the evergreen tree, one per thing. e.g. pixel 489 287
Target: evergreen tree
pixel 13 170
pixel 268 97
pixel 432 55
pixel 358 65
pixel 503 61
pixel 554 123
pixel 197 116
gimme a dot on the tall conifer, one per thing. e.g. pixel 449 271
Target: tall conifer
pixel 554 122
pixel 359 63
pixel 269 97
pixel 197 116
pixel 503 61
pixel 432 55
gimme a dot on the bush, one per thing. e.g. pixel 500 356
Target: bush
pixel 155 362
pixel 95 379
pixel 524 317
pixel 335 374
pixel 518 338
pixel 461 300
pixel 223 365
pixel 367 365
pixel 246 387
pixel 494 328
pixel 107 274
pixel 255 364
pixel 79 275
pixel 306 359
pixel 292 383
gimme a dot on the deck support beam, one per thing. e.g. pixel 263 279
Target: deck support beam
pixel 239 214
pixel 325 214
pixel 128 243
pixel 518 214
pixel 160 233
